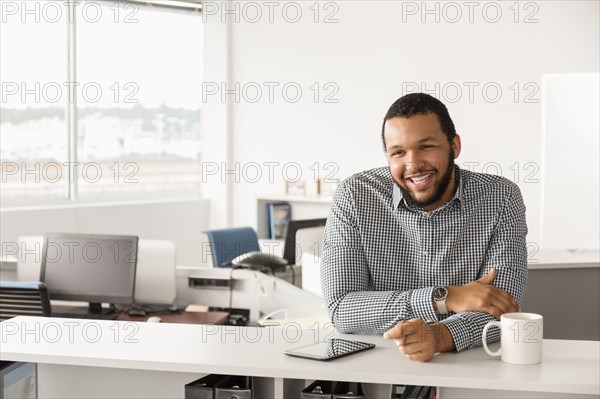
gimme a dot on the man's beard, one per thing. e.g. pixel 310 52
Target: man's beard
pixel 440 189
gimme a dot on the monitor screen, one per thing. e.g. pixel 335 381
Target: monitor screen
pixel 18 380
pixel 91 268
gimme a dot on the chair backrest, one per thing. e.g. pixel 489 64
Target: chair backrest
pixel 23 299
pixel 29 258
pixel 227 244
pixel 155 273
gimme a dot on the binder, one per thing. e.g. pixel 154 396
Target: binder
pixel 202 388
pixel 234 386
pixel 402 391
pixel 419 392
pixel 424 394
pixel 318 390
pixel 414 394
pixel 268 233
pixel 279 215
pixel 348 390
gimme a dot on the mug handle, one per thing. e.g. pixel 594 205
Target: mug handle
pixel 484 338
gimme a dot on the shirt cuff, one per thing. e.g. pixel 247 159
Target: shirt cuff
pixel 459 331
pixel 421 302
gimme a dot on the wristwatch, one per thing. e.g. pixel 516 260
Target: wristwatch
pixel 439 297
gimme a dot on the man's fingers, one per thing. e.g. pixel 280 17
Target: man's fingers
pixel 411 349
pixel 505 302
pixel 488 278
pixel 495 311
pixel 420 356
pixel 392 333
pixel 414 339
pixel 408 340
pixel 500 305
pixel 508 303
pixel 402 329
pixel 416 352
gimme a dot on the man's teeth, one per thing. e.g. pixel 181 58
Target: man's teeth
pixel 420 179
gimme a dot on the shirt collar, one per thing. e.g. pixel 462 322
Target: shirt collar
pixel 398 198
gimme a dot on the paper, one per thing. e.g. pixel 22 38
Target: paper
pixel 196 308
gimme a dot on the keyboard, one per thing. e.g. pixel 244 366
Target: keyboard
pixel 88 316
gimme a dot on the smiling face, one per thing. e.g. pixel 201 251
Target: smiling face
pixel 421 159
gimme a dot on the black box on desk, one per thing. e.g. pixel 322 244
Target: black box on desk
pixel 318 390
pixel 234 386
pixel 203 388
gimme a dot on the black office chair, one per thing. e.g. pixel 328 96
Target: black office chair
pixel 23 299
pixel 238 247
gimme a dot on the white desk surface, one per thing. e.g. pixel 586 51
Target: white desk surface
pixel 567 367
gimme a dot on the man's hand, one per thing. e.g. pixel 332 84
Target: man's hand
pixel 481 296
pixel 415 338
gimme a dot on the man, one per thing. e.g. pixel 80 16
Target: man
pixel 423 250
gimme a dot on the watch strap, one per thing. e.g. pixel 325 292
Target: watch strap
pixel 440 303
pixel 441 307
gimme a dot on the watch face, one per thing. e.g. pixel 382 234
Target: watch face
pixel 439 293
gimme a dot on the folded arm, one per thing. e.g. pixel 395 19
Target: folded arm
pixel 507 253
pixel 349 295
pixel 500 289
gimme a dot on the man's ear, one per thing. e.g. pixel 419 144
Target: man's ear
pixel 456 146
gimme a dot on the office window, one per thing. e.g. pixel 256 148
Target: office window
pixel 143 133
pixel 136 89
pixel 33 135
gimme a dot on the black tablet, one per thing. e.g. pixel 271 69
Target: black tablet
pixel 329 349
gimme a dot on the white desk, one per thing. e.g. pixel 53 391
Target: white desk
pixel 156 360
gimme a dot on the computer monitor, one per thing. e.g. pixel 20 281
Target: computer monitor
pixel 289 249
pixel 18 380
pixel 91 268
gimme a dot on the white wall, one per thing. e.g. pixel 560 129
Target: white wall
pixel 375 51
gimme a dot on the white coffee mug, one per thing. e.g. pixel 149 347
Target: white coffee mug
pixel 520 339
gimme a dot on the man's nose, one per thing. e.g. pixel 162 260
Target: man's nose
pixel 412 162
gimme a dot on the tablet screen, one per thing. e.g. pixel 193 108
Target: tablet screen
pixel 329 349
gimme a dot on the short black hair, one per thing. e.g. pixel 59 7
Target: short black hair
pixel 418 104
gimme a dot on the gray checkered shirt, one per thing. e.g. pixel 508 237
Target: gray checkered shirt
pixel 382 259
